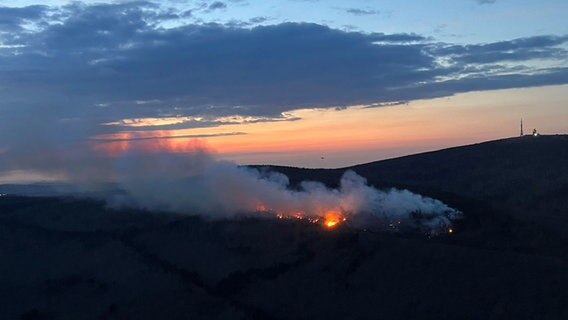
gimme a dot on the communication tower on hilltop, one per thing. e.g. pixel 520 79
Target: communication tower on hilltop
pixel 522 133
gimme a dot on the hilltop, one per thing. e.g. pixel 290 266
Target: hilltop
pixel 532 166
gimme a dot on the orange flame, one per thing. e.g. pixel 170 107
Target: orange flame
pixel 331 223
pixel 332 218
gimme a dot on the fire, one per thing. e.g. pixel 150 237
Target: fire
pixel 330 219
pixel 330 223
pixel 299 215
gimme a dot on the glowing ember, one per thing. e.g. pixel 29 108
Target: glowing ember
pixel 332 218
pixel 331 223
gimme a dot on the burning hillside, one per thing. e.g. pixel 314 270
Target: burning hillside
pixel 414 222
pixel 195 183
pixel 242 191
pixel 222 190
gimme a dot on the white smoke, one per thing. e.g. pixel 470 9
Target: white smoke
pixel 198 184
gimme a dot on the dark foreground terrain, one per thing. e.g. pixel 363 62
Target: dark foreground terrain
pixel 64 258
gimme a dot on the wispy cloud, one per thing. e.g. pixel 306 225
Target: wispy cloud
pixel 216 6
pixel 199 121
pixel 362 12
pixel 134 137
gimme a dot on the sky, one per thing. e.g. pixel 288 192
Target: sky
pixel 292 82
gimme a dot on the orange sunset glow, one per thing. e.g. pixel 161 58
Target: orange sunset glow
pixel 324 137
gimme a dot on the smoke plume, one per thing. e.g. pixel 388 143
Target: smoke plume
pixel 196 183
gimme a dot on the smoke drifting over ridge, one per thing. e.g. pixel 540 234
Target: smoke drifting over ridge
pixel 147 174
pixel 196 183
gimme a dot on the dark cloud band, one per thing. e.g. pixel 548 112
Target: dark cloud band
pixel 99 61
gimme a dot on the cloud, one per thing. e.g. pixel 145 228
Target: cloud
pixel 485 1
pixel 259 19
pixel 538 47
pixel 216 6
pixel 97 63
pixel 186 122
pixel 362 12
pixel 387 104
pixel 134 137
pixel 235 23
pixel 12 19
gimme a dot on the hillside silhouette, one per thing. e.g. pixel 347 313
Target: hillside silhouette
pixel 519 182
pixel 71 258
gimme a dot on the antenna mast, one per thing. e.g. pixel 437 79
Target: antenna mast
pixel 522 133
